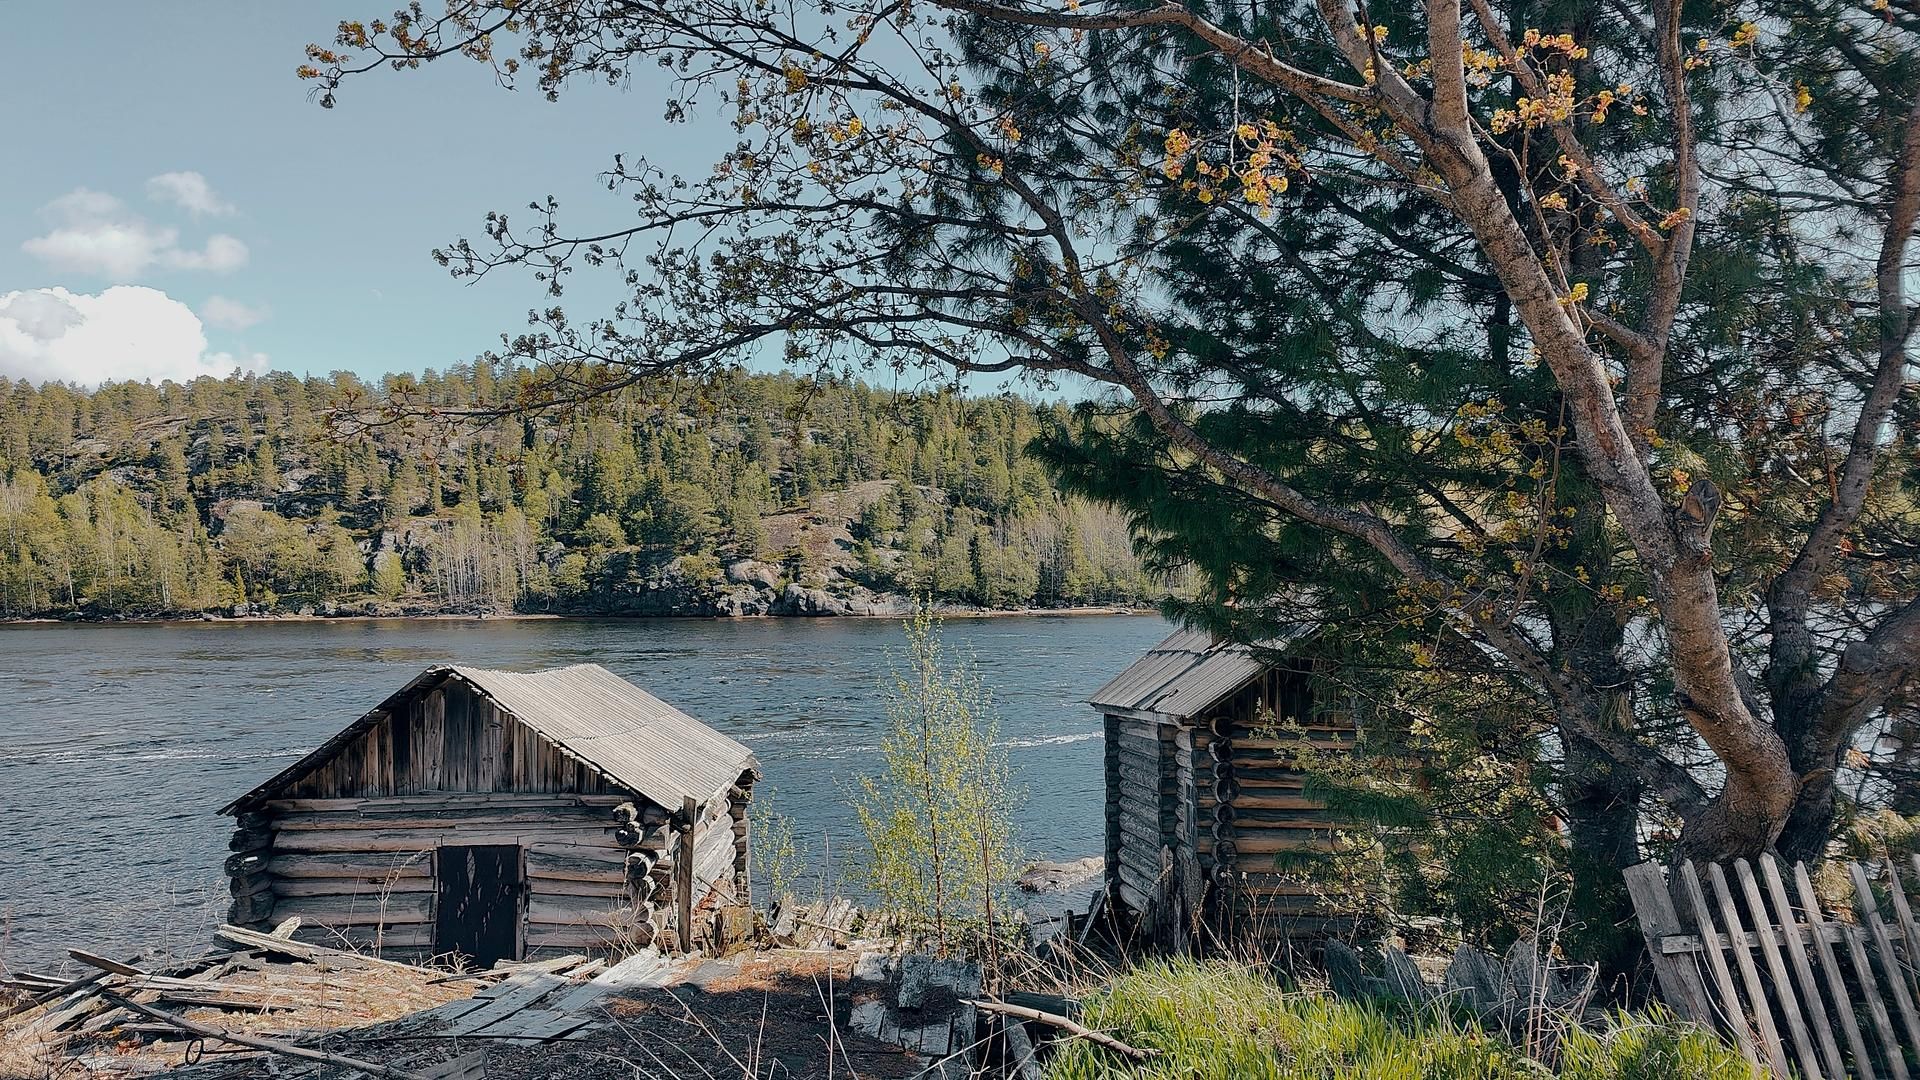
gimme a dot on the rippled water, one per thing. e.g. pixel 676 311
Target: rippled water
pixel 118 742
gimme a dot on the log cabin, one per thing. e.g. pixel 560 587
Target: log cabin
pixel 1205 791
pixel 497 815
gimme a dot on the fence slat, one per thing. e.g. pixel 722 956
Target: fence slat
pixel 1803 971
pixel 1679 977
pixel 1777 969
pixel 1749 974
pixel 1731 1008
pixel 1883 945
pixel 1876 1005
pixel 1903 912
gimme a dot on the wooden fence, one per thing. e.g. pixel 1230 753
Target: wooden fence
pixel 1803 992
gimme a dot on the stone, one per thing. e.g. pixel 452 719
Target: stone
pixel 1346 975
pixel 1474 979
pixel 752 572
pixel 1403 976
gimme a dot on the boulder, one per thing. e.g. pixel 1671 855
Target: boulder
pixel 751 572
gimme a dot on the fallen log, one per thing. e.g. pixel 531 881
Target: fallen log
pixel 284 1049
pixel 1071 1027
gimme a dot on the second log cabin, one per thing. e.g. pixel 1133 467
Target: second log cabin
pixel 1206 792
pixel 495 815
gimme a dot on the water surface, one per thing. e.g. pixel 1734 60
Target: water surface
pixel 119 742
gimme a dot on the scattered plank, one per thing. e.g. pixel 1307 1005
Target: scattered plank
pixel 271 1046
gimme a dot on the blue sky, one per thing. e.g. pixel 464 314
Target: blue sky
pixel 176 202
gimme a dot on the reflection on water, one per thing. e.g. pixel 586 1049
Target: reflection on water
pixel 118 742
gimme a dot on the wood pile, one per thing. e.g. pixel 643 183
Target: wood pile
pixel 269 994
pixel 820 924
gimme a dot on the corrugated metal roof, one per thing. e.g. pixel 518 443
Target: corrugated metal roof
pixel 1184 674
pixel 636 740
pixel 640 741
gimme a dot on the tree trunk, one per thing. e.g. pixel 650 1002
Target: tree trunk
pixel 1810 826
pixel 1602 801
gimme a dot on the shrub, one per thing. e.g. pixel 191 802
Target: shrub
pixel 939 822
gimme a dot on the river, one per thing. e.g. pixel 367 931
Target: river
pixel 118 742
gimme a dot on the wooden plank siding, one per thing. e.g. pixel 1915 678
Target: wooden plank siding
pixel 448 739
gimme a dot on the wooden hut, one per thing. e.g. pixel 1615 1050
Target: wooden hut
pixel 1204 790
pixel 496 814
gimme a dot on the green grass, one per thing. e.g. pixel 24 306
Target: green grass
pixel 1217 1021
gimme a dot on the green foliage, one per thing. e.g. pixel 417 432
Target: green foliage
pixel 939 823
pixel 778 855
pixel 1219 1021
pixel 389 576
pixel 154 499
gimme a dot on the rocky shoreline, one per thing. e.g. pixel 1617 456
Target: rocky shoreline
pixel 743 589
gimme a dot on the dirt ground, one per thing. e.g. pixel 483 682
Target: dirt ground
pixel 764 1016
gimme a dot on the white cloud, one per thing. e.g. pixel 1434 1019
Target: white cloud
pixel 231 314
pixel 95 233
pixel 125 332
pixel 221 254
pixel 190 192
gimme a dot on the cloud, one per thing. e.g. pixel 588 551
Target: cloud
pixel 231 314
pixel 221 254
pixel 127 332
pixel 190 192
pixel 95 233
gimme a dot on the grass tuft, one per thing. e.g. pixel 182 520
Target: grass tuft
pixel 1221 1021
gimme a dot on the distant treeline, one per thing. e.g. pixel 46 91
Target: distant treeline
pixel 279 493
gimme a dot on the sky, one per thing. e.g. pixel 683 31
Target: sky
pixel 174 202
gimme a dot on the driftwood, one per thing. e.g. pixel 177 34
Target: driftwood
pixel 1071 1027
pixel 284 1049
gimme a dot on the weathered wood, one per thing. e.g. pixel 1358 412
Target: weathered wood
pixel 1749 974
pixel 518 992
pixel 1835 978
pixel 284 1049
pixel 352 865
pixel 1732 1011
pixel 683 885
pixel 1903 914
pixel 1070 1026
pixel 609 889
pixel 359 909
pixel 292 888
pixel 1784 914
pixel 1782 982
pixel 1876 1007
pixel 428 800
pixel 1883 946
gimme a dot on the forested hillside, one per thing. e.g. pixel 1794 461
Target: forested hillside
pixel 749 494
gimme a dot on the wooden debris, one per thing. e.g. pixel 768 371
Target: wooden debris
pixel 1071 1027
pixel 269 1045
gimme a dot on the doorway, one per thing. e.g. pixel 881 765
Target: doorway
pixel 478 911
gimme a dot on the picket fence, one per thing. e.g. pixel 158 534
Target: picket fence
pixel 1855 1017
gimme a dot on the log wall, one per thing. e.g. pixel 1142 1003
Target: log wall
pixel 1224 793
pixel 361 871
pixel 1142 814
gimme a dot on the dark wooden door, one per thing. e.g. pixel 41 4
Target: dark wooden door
pixel 478 914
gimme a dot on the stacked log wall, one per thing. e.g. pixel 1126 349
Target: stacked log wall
pixel 1142 817
pixel 362 870
pixel 1267 812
